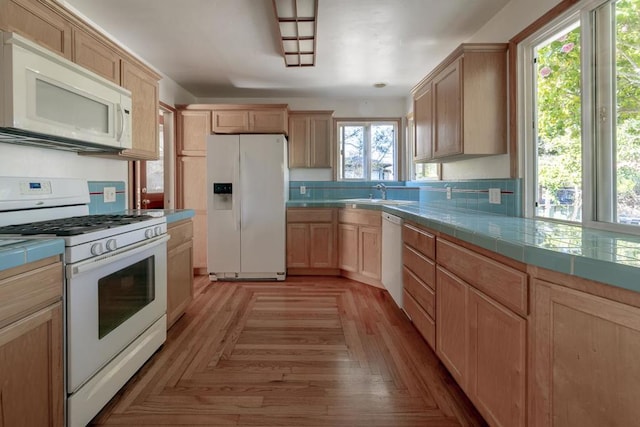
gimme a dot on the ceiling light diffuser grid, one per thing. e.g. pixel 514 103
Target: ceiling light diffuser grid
pixel 296 21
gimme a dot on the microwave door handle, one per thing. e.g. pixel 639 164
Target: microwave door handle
pixel 122 120
pixel 109 257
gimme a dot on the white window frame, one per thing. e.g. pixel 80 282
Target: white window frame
pixel 598 175
pixel 367 122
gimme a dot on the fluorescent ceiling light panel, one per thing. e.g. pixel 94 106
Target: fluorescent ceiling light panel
pixel 296 21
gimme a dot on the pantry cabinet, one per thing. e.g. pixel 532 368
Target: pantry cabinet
pixel 192 178
pixel 360 245
pixel 179 269
pixel 482 342
pixel 460 108
pixel 312 241
pixel 310 139
pixel 31 372
pixel 583 359
pixel 193 129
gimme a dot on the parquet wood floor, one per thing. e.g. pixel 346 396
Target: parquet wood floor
pixel 311 351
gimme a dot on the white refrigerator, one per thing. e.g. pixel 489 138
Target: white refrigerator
pixel 248 186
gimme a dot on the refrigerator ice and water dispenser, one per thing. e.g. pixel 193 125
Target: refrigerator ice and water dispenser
pixel 222 196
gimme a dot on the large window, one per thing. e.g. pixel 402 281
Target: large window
pixel 582 92
pixel 368 150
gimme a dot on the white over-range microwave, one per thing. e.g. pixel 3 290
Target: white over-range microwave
pixel 49 101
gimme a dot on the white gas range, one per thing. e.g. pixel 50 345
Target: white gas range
pixel 115 274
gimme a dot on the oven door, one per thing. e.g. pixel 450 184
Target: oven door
pixel 111 300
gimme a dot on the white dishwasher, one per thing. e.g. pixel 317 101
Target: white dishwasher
pixel 392 256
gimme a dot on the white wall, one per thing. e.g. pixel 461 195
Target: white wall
pixel 171 93
pixel 513 18
pixel 16 160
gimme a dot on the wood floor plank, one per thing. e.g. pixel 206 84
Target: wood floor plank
pixel 310 351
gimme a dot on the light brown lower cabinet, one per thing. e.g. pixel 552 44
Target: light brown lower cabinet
pixel 179 269
pixel 312 241
pixel 31 375
pixel 584 359
pixel 360 245
pixel 483 344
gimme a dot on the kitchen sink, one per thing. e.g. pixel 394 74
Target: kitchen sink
pixel 378 201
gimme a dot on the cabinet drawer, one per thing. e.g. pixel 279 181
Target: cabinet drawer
pixel 360 217
pixel 310 215
pixel 503 283
pixel 420 240
pixel 423 294
pixel 28 291
pixel 180 232
pixel 422 321
pixel 422 267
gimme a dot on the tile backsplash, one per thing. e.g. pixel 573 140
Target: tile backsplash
pixel 465 194
pixel 97 205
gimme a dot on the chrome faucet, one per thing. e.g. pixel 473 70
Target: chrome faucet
pixel 383 189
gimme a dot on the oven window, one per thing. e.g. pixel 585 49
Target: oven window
pixel 124 293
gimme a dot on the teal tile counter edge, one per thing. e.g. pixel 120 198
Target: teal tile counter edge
pixel 172 215
pixel 606 257
pixel 15 252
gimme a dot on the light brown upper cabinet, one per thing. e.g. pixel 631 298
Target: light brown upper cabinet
pixel 38 22
pixel 96 56
pixel 460 108
pixel 310 139
pixel 193 129
pixel 249 118
pixel 144 97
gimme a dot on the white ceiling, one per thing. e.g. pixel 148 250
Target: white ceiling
pixel 230 48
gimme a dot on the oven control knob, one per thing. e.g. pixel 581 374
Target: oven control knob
pixel 157 230
pixel 96 249
pixel 148 233
pixel 112 245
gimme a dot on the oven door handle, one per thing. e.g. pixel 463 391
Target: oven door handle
pixel 108 258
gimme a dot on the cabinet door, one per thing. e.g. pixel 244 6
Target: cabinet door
pixel 584 359
pixel 298 245
pixel 298 142
pixel 452 330
pixel 447 93
pixel 230 121
pixel 322 252
pixel 497 345
pixel 192 178
pixel 348 242
pixel 95 56
pixel 268 121
pixel 423 117
pixel 37 22
pixel 144 94
pixel 370 250
pixel 31 370
pixel 193 129
pixel 320 131
pixel 179 270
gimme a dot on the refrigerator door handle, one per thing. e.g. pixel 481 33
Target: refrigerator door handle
pixel 234 196
pixel 244 167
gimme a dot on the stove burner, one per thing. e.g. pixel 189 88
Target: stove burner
pixel 73 226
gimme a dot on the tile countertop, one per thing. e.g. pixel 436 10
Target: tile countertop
pixel 16 252
pixel 603 256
